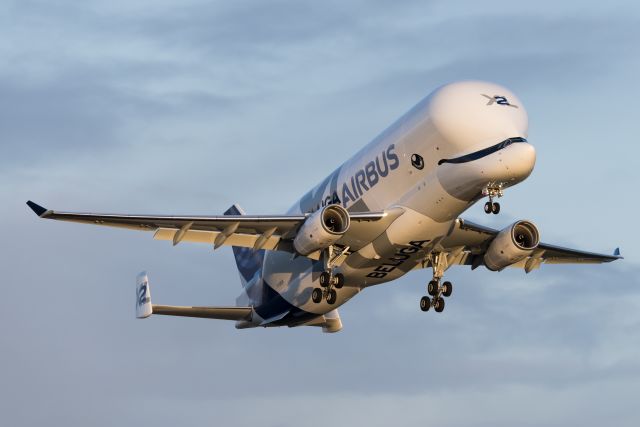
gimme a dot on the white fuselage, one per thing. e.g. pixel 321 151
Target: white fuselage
pixel 403 168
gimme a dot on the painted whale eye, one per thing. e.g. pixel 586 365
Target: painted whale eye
pixel 417 161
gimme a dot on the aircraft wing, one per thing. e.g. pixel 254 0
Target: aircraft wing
pixel 467 243
pixel 273 232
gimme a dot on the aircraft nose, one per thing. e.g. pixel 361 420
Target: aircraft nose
pixel 505 164
pixel 519 161
pixel 471 114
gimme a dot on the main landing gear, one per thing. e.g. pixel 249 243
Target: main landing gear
pixel 436 290
pixel 492 191
pixel 437 293
pixel 329 282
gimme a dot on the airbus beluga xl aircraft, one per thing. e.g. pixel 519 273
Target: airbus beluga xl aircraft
pixel 393 207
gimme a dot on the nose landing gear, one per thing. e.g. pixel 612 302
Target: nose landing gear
pixel 492 191
pixel 492 207
pixel 434 288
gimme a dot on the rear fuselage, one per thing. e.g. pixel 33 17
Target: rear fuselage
pixel 433 164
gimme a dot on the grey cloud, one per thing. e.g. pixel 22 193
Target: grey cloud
pixel 84 113
pixel 52 120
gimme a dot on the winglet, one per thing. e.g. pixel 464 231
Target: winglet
pixel 39 210
pixel 234 210
pixel 617 253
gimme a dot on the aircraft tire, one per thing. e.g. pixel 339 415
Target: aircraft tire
pixel 425 303
pixel 339 280
pixel 438 305
pixel 495 209
pixel 488 208
pixel 447 289
pixel 325 279
pixel 316 295
pixel 332 297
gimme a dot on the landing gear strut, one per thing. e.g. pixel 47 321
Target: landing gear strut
pixel 329 281
pixel 436 290
pixel 492 191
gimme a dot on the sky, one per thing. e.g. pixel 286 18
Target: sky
pixel 186 107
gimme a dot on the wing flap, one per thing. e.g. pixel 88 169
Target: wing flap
pixel 209 237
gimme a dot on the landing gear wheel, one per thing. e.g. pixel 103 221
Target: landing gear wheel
pixel 316 295
pixel 447 289
pixel 425 303
pixel 325 279
pixel 488 208
pixel 438 305
pixel 332 296
pixel 495 208
pixel 339 281
pixel 432 288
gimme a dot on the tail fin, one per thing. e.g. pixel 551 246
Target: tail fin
pixel 143 294
pixel 248 261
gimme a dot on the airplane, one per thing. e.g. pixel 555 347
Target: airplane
pixel 392 208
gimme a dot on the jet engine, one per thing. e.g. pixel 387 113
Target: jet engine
pixel 322 229
pixel 513 244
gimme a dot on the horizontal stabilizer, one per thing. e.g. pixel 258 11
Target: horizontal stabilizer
pixel 223 313
pixel 144 308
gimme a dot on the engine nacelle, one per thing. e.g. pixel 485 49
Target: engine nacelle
pixel 322 229
pixel 513 244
